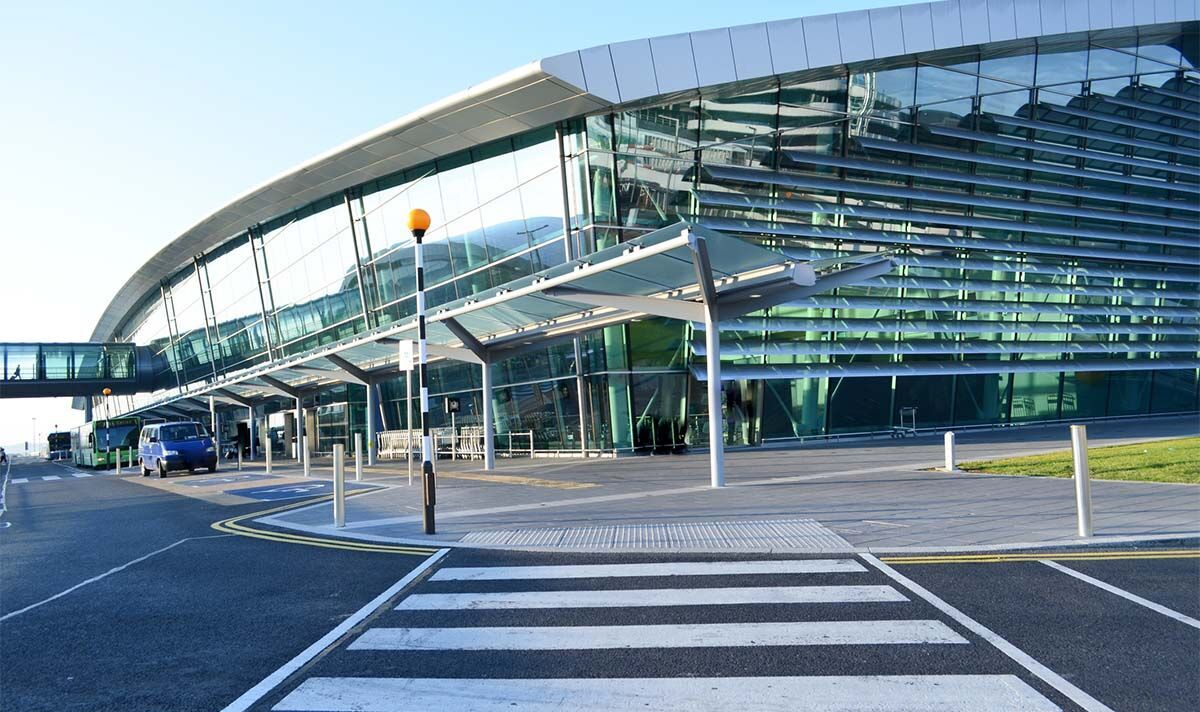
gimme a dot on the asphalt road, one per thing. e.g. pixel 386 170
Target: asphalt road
pixel 189 628
pixel 198 624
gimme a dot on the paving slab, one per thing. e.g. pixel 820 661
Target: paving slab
pixel 872 495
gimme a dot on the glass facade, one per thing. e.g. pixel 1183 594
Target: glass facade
pixel 1040 198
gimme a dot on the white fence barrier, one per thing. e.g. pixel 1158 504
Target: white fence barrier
pixel 465 443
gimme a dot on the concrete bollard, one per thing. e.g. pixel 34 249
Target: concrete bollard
pixel 267 454
pixel 118 461
pixel 951 463
pixel 307 462
pixel 339 485
pixel 239 452
pixel 358 457
pixel 1083 480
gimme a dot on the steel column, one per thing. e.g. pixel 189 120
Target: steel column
pixel 489 424
pixel 372 425
pixel 570 255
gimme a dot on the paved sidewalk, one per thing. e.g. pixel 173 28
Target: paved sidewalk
pixel 876 495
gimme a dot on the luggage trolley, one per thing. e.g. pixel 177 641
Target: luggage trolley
pixel 908 414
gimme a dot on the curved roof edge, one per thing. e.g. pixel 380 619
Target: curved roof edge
pixel 588 80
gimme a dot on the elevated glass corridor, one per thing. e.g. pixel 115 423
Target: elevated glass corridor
pixel 80 369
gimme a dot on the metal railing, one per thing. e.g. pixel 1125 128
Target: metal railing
pixel 455 443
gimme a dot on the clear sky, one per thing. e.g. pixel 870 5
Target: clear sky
pixel 123 123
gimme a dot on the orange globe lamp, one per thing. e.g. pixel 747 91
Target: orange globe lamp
pixel 418 221
pixel 107 391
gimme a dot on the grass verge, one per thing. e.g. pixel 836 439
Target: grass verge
pixel 1175 460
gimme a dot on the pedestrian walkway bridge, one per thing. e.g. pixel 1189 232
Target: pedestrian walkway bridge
pixel 32 370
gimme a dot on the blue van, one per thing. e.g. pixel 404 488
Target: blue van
pixel 176 446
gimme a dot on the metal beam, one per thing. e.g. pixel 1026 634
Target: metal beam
pixel 232 397
pixel 454 353
pixel 656 306
pixel 280 387
pixel 468 339
pixel 744 301
pixel 359 376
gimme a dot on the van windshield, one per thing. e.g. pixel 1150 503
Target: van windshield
pixel 181 431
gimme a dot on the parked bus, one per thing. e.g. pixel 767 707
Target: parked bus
pixel 59 446
pixel 95 444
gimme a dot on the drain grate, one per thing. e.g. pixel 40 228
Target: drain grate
pixel 717 535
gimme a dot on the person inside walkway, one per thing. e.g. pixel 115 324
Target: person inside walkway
pixel 16 374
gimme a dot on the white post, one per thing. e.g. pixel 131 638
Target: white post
pixel 716 420
pixel 453 439
pixel 298 429
pixel 250 427
pixel 239 452
pixel 267 453
pixel 408 443
pixel 358 457
pixel 950 460
pixel 489 427
pixel 372 424
pixel 339 485
pixel 1083 481
pixel 307 463
pixel 118 461
pixel 215 425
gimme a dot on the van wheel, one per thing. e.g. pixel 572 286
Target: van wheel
pixel 162 469
pixel 145 470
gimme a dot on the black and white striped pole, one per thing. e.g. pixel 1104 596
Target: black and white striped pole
pixel 418 223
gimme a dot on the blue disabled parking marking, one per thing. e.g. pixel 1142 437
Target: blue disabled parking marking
pixel 295 490
pixel 211 481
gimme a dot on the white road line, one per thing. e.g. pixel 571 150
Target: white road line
pixel 4 489
pixel 47 478
pixel 1125 594
pixel 881 693
pixel 650 597
pixel 1076 695
pixel 19 480
pixel 692 635
pixel 682 568
pixel 110 572
pixel 256 693
pixel 80 474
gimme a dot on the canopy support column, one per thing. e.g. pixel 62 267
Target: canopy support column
pixel 712 342
pixel 215 425
pixel 372 424
pixel 250 428
pixel 298 445
pixel 489 422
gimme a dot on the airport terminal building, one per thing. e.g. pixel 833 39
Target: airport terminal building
pixel 1003 195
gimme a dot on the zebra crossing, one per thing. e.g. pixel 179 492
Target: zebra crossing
pixel 811 634
pixel 69 475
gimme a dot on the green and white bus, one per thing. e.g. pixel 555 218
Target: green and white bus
pixel 96 444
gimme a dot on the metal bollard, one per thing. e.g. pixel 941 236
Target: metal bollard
pixel 118 461
pixel 267 453
pixel 358 457
pixel 339 485
pixel 239 452
pixel 950 460
pixel 1083 479
pixel 307 462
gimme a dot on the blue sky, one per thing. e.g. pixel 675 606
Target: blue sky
pixel 126 122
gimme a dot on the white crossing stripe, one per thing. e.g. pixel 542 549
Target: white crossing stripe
pixel 80 474
pixel 682 568
pixel 651 597
pixel 696 635
pixel 19 480
pixel 51 477
pixel 879 693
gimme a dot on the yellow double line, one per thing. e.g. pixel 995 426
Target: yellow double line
pixel 233 525
pixel 1049 556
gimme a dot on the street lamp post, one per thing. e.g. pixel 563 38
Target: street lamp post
pixel 418 223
